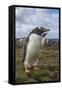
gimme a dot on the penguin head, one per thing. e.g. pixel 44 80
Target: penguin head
pixel 40 30
pixel 43 30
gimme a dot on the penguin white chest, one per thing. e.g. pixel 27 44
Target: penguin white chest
pixel 34 43
pixel 33 49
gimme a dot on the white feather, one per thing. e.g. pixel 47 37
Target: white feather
pixel 33 49
pixel 43 41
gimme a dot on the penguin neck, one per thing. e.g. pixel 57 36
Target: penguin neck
pixel 42 35
pixel 35 37
pixel 36 32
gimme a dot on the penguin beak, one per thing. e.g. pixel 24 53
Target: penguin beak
pixel 46 30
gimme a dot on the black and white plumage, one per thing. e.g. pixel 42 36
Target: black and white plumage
pixel 43 39
pixel 32 47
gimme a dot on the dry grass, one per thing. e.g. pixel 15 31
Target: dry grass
pixel 48 67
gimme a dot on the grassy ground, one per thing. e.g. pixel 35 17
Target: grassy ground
pixel 48 66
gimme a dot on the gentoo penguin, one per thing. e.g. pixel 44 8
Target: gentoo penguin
pixel 32 48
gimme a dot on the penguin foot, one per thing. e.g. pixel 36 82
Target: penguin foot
pixel 36 68
pixel 29 74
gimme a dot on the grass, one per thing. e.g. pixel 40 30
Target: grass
pixel 48 66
